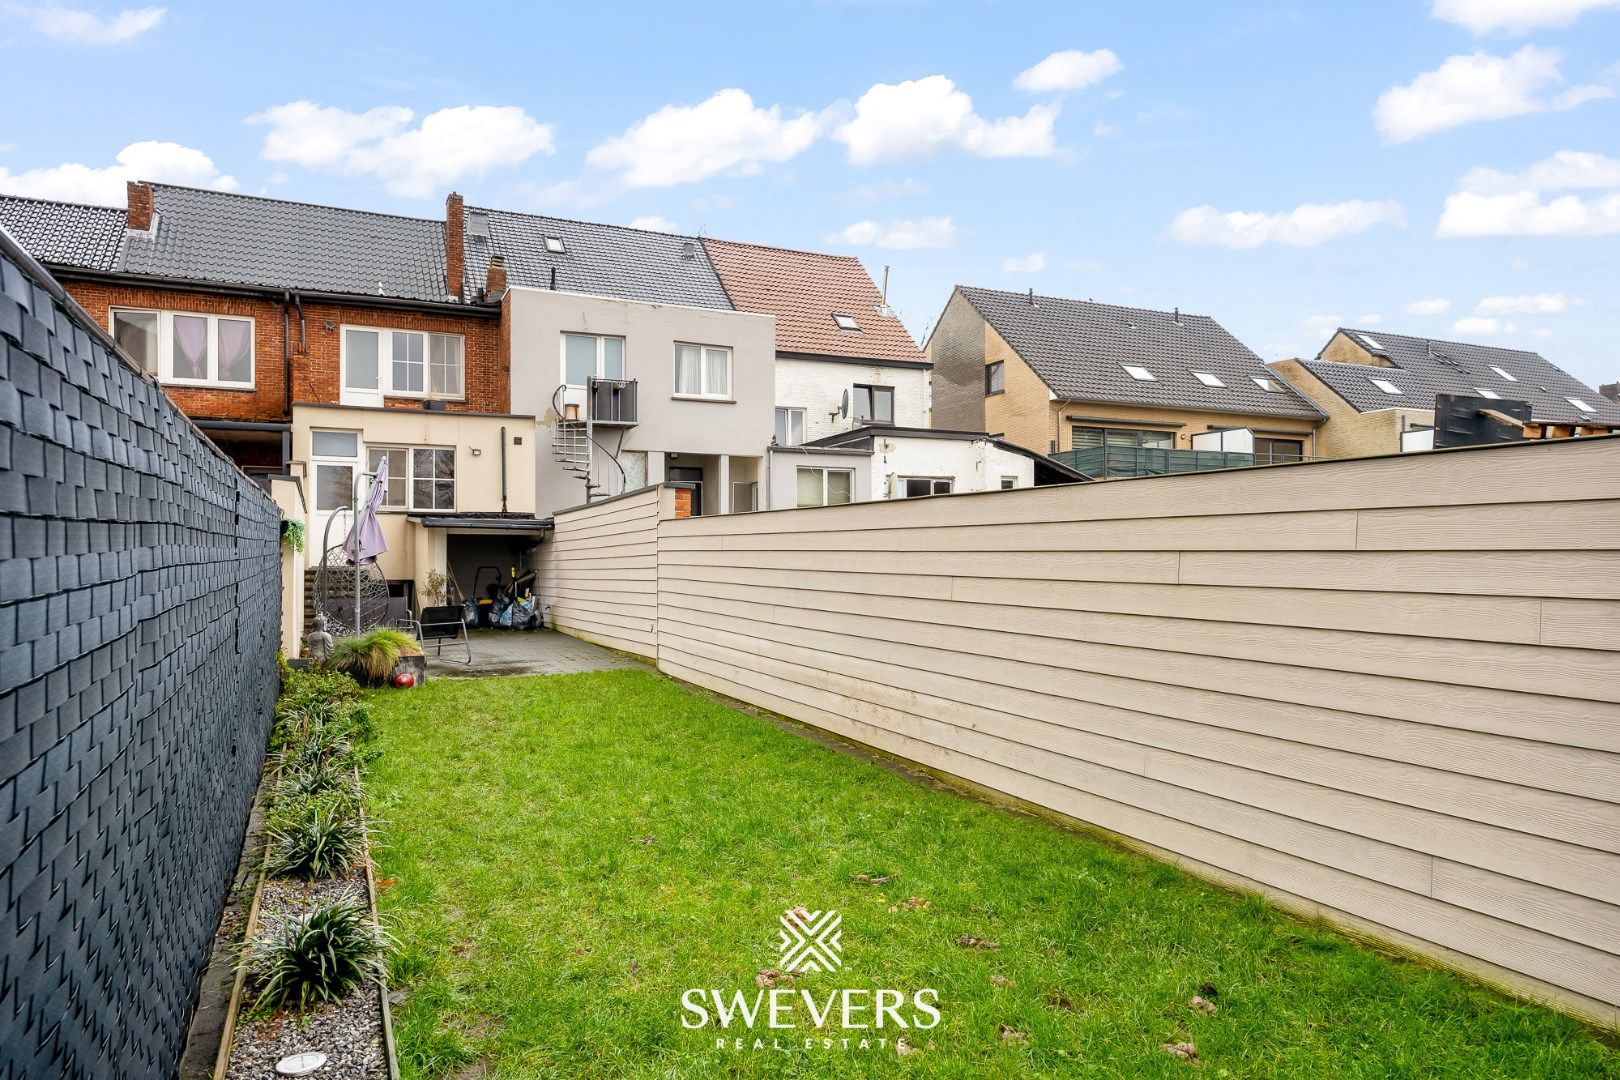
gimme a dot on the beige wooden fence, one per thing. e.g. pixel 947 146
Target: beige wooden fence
pixel 599 569
pixel 1383 691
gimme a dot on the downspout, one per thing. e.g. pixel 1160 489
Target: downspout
pixel 503 468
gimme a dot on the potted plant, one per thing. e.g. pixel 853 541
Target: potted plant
pixel 375 657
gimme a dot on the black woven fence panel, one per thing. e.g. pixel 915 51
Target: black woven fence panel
pixel 139 614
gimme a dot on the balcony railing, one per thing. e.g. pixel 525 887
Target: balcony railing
pixel 611 401
pixel 1105 462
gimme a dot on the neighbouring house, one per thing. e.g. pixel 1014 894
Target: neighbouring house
pixel 625 345
pixel 907 463
pixel 1112 391
pixel 1378 390
pixel 311 342
pixel 850 381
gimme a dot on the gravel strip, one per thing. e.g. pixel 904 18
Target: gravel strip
pixel 348 1032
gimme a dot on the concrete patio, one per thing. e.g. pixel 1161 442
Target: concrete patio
pixel 525 652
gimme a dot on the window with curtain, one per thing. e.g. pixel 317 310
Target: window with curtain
pixel 137 334
pixel 403 363
pixel 188 347
pixel 1086 438
pixel 702 371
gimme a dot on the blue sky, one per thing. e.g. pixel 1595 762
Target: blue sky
pixel 1448 168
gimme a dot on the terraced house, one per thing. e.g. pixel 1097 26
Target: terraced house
pixel 310 342
pixel 1378 390
pixel 1110 390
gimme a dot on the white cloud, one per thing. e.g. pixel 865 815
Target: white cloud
pixel 1437 306
pixel 935 232
pixel 164 162
pixel 1304 226
pixel 1542 332
pixel 1514 16
pixel 1493 203
pixel 1070 69
pixel 74 27
pixel 1465 89
pixel 1033 263
pixel 446 147
pixel 885 189
pixel 1320 325
pixel 654 223
pixel 1482 326
pixel 1102 129
pixel 920 117
pixel 1369 320
pixel 681 144
pixel 1527 304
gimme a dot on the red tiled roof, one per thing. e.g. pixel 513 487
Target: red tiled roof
pixel 804 290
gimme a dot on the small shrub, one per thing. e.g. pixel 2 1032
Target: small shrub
pixel 317 956
pixel 371 657
pixel 314 838
pixel 306 777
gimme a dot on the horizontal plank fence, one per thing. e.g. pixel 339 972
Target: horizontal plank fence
pixel 1383 691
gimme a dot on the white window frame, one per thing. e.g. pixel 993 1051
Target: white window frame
pixel 704 392
pixel 601 355
pixel 385 366
pixel 1144 376
pixel 316 461
pixel 1580 404
pixel 1269 383
pixel 1509 376
pixel 1486 392
pixel 825 473
pixel 409 505
pixel 1386 386
pixel 846 322
pixel 165 345
pixel 790 410
pixel 1209 379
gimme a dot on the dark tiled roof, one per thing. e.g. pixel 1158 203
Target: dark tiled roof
pixel 803 289
pixel 231 239
pixel 603 260
pixel 1424 367
pixel 1078 346
pixel 66 234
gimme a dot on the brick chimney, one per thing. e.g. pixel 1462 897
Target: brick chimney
pixel 495 280
pixel 140 212
pixel 455 255
pixel 1610 390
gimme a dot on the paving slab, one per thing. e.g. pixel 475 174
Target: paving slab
pixel 526 652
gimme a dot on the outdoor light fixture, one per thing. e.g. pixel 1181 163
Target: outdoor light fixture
pixel 476 451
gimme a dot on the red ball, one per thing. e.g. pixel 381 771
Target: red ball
pixel 404 679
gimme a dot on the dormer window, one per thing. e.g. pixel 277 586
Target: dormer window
pixel 1386 386
pixel 846 322
pixel 1486 393
pixel 1141 374
pixel 1207 379
pixel 1270 386
pixel 555 245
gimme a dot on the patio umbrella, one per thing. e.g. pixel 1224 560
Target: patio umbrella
pixel 365 539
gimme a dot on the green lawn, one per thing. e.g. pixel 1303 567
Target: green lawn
pixel 569 854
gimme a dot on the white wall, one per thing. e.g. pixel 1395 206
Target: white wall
pixel 780 487
pixel 537 320
pixel 818 386
pixel 972 464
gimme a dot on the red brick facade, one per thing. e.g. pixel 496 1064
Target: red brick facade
pixel 315 364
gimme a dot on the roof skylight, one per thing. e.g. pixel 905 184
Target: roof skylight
pixel 1509 377
pixel 846 322
pixel 1207 379
pixel 555 245
pixel 1270 386
pixel 1141 374
pixel 1386 386
pixel 1579 404
pixel 1486 392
